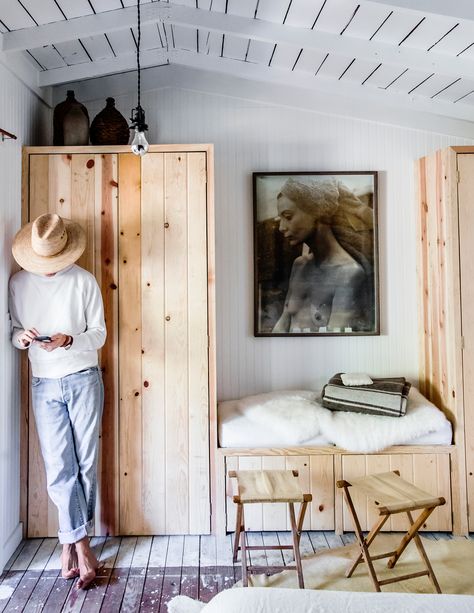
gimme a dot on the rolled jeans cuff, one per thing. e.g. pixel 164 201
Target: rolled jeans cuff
pixel 75 535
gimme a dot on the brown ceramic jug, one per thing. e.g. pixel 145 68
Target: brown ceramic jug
pixel 60 112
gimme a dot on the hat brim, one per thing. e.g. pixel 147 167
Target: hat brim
pixel 29 260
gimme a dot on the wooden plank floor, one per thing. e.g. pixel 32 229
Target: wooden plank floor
pixel 144 573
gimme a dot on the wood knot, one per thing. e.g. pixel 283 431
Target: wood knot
pixel 90 163
pixel 113 183
pixel 61 200
pixel 321 508
pixel 137 394
pixel 113 286
pixel 107 260
pixel 146 384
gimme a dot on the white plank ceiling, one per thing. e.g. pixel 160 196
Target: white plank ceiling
pixel 418 50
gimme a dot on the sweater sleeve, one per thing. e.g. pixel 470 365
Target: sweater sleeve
pixel 95 333
pixel 17 328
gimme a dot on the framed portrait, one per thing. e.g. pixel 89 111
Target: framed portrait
pixel 316 260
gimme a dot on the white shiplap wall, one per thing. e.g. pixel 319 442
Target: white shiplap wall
pixel 23 114
pixel 251 136
pixel 248 136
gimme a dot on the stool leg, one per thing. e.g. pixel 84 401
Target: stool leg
pixel 296 545
pixel 238 529
pixel 243 554
pixel 423 555
pixel 414 527
pixel 368 539
pixel 360 537
pixel 301 515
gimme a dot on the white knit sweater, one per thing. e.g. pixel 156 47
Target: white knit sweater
pixel 68 302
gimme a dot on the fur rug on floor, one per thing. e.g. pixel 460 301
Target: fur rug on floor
pixel 452 561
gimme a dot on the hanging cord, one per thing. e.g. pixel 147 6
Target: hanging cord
pixel 138 51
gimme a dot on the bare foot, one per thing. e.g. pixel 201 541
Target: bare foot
pixel 69 562
pixel 88 564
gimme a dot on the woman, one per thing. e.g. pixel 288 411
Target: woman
pixel 331 283
pixel 57 314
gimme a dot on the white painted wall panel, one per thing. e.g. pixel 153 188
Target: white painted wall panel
pixel 22 113
pixel 250 136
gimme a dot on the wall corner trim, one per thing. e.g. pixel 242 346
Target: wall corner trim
pixel 8 548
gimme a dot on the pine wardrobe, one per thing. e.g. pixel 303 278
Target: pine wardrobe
pixel 446 274
pixel 150 244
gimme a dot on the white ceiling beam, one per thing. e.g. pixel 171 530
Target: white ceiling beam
pixel 457 9
pixel 88 25
pixel 100 68
pixel 403 57
pixel 327 85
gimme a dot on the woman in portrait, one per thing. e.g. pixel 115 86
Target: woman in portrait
pixel 331 286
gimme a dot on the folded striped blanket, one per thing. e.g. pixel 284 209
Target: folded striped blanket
pixel 384 397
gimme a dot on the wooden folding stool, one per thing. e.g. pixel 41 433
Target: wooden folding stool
pixel 391 494
pixel 268 486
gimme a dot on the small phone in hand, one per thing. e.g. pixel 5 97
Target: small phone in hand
pixel 43 339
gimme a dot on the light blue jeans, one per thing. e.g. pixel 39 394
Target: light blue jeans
pixel 68 412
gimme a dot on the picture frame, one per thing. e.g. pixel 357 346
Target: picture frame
pixel 316 253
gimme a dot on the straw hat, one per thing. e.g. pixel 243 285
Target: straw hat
pixel 48 244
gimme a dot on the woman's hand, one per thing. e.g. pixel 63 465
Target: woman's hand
pixel 27 336
pixel 57 340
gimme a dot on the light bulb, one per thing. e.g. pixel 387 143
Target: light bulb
pixel 139 143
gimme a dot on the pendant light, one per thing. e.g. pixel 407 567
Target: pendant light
pixel 139 143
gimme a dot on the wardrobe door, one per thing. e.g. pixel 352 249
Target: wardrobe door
pixel 163 344
pixel 466 252
pixel 81 187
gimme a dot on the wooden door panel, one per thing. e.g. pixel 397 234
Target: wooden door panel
pixel 40 509
pixel 153 344
pixel 176 341
pixel 106 273
pixel 130 346
pixel 466 223
pixel 198 346
pixel 322 488
pixel 75 187
pixel 83 203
